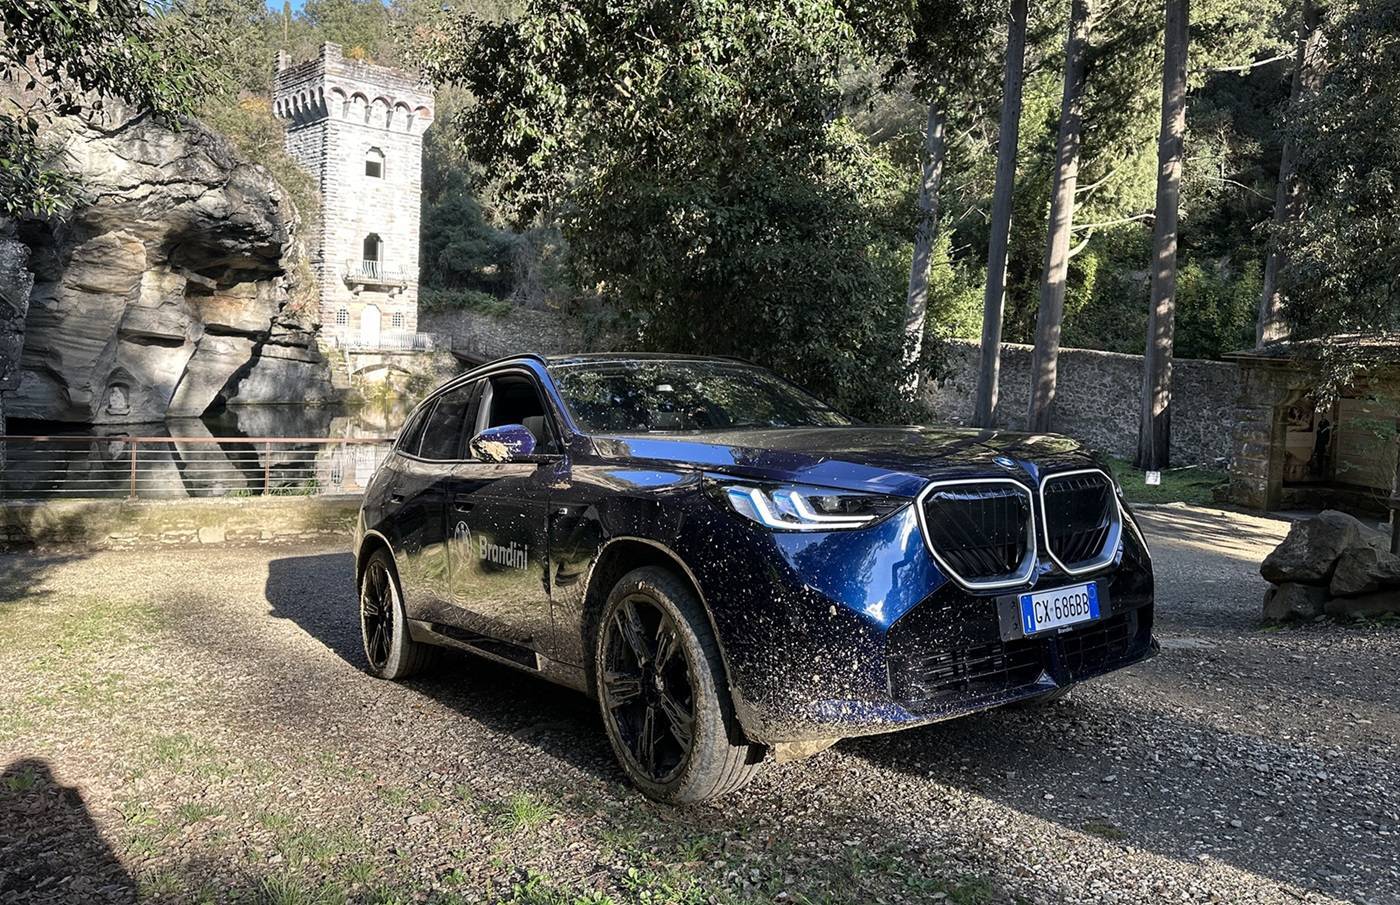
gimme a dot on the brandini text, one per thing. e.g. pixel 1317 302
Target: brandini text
pixel 514 556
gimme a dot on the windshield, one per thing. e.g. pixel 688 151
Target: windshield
pixel 646 396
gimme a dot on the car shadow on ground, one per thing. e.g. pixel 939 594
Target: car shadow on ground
pixel 53 850
pixel 317 593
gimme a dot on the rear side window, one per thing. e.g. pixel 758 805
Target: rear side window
pixel 443 433
pixel 412 432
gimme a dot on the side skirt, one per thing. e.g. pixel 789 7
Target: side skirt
pixel 498 651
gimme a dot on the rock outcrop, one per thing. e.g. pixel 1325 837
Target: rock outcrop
pixel 174 286
pixel 1335 565
pixel 16 282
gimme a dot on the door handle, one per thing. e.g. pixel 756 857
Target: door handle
pixel 463 501
pixel 395 497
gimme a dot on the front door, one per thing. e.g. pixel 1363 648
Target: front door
pixel 498 516
pixel 369 327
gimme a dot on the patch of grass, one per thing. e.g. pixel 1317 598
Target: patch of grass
pixel 536 890
pixel 275 821
pixel 525 812
pixel 394 795
pixel 22 781
pixel 316 847
pixel 698 848
pixel 195 811
pixel 158 884
pixel 1104 830
pixel 1179 485
pixel 286 889
pixel 359 873
pixel 176 748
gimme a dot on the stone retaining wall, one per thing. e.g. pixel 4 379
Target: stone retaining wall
pixel 117 524
pixel 1097 400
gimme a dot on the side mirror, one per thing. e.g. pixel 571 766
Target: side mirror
pixel 506 443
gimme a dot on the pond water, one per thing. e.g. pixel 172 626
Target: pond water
pixel 242 451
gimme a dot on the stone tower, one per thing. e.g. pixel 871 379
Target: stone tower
pixel 358 129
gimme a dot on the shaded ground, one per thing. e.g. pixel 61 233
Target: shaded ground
pixel 195 726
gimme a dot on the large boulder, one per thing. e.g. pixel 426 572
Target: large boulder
pixel 1335 565
pixel 1310 552
pixel 156 295
pixel 1294 601
pixel 1365 569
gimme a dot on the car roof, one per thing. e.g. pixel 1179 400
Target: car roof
pixel 625 357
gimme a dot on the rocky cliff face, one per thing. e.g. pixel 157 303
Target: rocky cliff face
pixel 171 289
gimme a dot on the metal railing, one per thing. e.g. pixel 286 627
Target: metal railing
pixel 374 272
pixel 70 466
pixel 387 341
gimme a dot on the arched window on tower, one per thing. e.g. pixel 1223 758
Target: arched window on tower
pixel 374 163
pixel 372 258
pixel 342 317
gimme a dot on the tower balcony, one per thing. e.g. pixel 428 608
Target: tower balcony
pixel 361 274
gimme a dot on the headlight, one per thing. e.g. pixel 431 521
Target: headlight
pixel 793 507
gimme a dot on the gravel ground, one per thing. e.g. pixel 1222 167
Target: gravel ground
pixel 195 726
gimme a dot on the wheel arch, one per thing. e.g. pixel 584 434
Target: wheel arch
pixel 619 556
pixel 371 542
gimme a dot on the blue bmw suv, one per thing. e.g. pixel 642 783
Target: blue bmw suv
pixel 734 570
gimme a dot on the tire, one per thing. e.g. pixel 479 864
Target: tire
pixel 679 665
pixel 390 654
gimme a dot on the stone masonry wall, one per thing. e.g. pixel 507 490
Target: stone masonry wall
pixel 107 524
pixel 1098 398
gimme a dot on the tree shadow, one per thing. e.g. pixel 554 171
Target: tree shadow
pixel 51 849
pixel 22 574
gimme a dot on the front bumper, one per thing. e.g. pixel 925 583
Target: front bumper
pixel 858 633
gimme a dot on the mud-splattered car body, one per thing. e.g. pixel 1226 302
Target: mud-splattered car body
pixel 872 626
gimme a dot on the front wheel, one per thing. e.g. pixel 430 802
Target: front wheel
pixel 660 686
pixel 391 653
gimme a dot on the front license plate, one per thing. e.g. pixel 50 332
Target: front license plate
pixel 1045 610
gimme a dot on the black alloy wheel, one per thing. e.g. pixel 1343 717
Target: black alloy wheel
pixel 661 687
pixel 646 685
pixel 377 615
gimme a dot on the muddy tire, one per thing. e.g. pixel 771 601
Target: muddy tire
pixel 661 689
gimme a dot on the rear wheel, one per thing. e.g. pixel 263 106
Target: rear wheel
pixel 391 653
pixel 660 686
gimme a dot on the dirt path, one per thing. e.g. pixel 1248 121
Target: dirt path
pixel 195 726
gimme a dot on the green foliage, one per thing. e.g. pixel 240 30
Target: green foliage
pixel 432 298
pixel 691 160
pixel 1343 256
pixel 66 57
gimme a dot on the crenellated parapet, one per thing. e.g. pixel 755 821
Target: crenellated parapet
pixel 334 87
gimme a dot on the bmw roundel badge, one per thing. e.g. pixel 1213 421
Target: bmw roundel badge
pixel 1005 462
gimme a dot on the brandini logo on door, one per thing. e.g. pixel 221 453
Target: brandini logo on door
pixel 513 557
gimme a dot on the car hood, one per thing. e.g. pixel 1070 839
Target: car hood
pixel 896 460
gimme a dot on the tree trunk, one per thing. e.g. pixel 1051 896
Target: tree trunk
pixel 1052 284
pixel 1289 196
pixel 1154 430
pixel 926 234
pixel 1003 197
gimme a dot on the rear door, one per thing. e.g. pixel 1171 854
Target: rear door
pixel 498 515
pixel 421 491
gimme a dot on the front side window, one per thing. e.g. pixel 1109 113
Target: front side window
pixel 443 435
pixel 661 396
pixel 515 399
